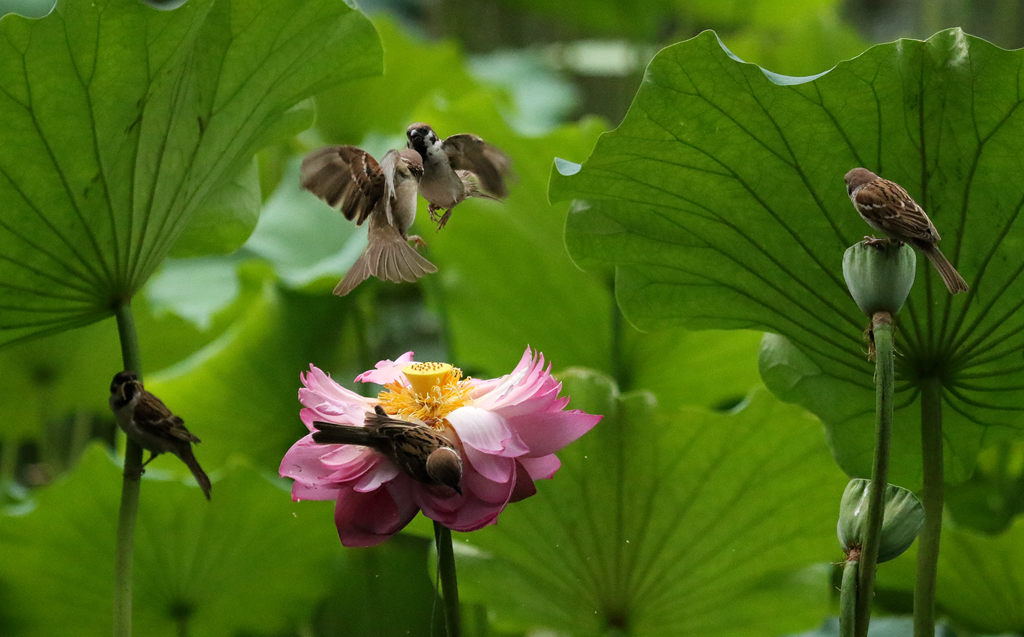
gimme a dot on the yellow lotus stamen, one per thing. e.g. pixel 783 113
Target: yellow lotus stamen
pixel 434 391
pixel 425 376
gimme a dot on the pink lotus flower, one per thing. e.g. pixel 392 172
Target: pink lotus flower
pixel 506 431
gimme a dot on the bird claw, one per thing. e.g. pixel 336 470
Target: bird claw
pixel 875 242
pixel 418 240
pixel 444 219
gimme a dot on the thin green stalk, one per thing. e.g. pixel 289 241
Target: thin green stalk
pixel 129 488
pixel 449 583
pixel 881 329
pixel 848 599
pixel 931 496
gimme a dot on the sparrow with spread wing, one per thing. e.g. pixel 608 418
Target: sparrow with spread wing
pixel 887 207
pixel 418 449
pixel 349 179
pixel 457 168
pixel 147 420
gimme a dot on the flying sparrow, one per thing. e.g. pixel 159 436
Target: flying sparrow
pixel 147 421
pixel 457 168
pixel 418 449
pixel 350 180
pixel 887 207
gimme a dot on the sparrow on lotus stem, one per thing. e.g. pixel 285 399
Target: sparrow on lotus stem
pixel 418 449
pixel 146 420
pixel 457 168
pixel 349 179
pixel 887 207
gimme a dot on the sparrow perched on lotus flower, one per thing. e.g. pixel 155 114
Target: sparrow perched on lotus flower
pixel 147 420
pixel 458 449
pixel 887 207
pixel 350 180
pixel 422 452
pixel 456 168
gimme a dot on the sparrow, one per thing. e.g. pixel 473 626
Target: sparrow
pixel 887 207
pixel 147 421
pixel 349 179
pixel 456 168
pixel 418 449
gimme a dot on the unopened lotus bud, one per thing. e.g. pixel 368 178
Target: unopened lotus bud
pixel 902 519
pixel 879 275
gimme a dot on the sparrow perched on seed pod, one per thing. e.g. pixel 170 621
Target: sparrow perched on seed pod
pixel 350 180
pixel 146 420
pixel 887 207
pixel 418 449
pixel 457 168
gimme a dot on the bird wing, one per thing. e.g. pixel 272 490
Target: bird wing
pixel 158 420
pixel 894 208
pixel 469 152
pixel 387 168
pixel 347 178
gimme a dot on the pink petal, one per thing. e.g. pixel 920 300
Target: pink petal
pixel 319 471
pixel 367 519
pixel 524 486
pixel 494 468
pixel 467 512
pixel 486 431
pixel 314 491
pixel 541 468
pixel 528 382
pixel 482 488
pixel 385 471
pixel 547 432
pixel 327 401
pixel 386 371
pixel 311 463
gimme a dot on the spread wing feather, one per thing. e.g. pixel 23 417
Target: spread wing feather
pixel 346 178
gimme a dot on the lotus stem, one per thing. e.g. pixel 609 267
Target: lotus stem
pixel 449 582
pixel 848 598
pixel 881 329
pixel 931 496
pixel 129 488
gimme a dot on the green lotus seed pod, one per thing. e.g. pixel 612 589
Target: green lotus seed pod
pixel 879 276
pixel 902 519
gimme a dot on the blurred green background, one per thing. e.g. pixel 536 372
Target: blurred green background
pixel 227 324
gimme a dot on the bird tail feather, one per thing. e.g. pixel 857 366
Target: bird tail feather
pixel 954 282
pixel 388 257
pixel 335 434
pixel 189 458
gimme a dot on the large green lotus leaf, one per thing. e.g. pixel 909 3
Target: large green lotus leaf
pixel 980 583
pixel 239 393
pixel 309 244
pixel 679 522
pixel 249 559
pixel 59 385
pixel 710 368
pixel 346 113
pixel 880 627
pixel 384 590
pixel 120 121
pixel 720 201
pixel 505 280
pixel 569 314
pixel 27 8
pixel 796 36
